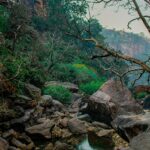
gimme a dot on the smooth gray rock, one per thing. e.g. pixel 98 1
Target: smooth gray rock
pixel 122 97
pixel 33 91
pixel 76 126
pixel 46 101
pixel 130 126
pixel 42 128
pixel 141 142
pixel 101 108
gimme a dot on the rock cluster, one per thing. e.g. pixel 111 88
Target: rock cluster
pixel 114 105
pixel 43 118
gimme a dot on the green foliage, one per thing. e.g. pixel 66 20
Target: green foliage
pixel 20 68
pixel 84 73
pixel 91 87
pixel 59 93
pixel 77 73
pixel 4 15
pixel 141 95
pixel 49 54
pixel 40 23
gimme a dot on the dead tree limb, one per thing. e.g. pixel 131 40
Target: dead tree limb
pixel 141 15
pixel 116 54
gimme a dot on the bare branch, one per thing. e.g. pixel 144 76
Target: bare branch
pixel 141 15
pixel 140 75
pixel 116 54
pixel 138 18
pixel 101 56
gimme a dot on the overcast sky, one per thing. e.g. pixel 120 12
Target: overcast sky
pixel 110 18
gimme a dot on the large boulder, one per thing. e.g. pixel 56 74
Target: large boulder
pixel 46 101
pixel 141 142
pixel 110 100
pixel 72 87
pixel 129 126
pixel 101 137
pixel 58 106
pixel 101 107
pixel 76 126
pixel 43 129
pixel 122 97
pixel 33 91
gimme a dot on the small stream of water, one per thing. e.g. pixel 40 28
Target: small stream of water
pixel 86 145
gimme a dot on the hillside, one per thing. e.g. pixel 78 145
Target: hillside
pixel 129 43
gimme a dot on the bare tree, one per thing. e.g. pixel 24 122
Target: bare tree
pixel 132 6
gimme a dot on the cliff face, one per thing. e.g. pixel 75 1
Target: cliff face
pixel 129 43
pixel 40 8
pixel 36 7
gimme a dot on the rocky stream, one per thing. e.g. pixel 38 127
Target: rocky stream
pixel 110 119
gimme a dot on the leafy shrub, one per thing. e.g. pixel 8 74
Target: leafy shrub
pixel 40 23
pixel 141 95
pixel 77 73
pixel 3 19
pixel 58 92
pixel 91 87
pixel 84 73
pixel 64 72
pixel 20 69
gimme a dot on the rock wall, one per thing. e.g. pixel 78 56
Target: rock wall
pixel 37 7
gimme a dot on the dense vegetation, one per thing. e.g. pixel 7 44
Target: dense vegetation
pixel 37 49
pixel 42 45
pixel 59 93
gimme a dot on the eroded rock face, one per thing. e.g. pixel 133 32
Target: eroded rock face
pixel 33 91
pixel 111 100
pixel 40 8
pixel 58 106
pixel 101 108
pixel 42 128
pixel 114 105
pixel 76 126
pixel 37 7
pixel 46 101
pixel 122 97
pixel 101 137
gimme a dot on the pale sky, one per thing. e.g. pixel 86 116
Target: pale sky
pixel 110 18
